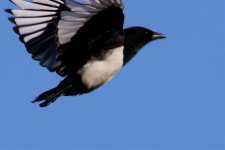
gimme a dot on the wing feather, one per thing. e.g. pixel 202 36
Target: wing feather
pixel 82 12
pixel 45 26
pixel 36 24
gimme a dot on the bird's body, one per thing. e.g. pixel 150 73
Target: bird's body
pixel 83 42
pixel 106 68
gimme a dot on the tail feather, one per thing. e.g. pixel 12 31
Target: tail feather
pixel 49 96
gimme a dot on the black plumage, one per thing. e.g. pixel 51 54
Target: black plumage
pixel 83 42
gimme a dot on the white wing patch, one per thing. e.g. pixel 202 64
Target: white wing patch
pixel 36 23
pixel 79 14
pixel 32 28
pixel 32 36
pixel 34 17
pixel 28 5
pixel 29 21
pixel 47 2
pixel 31 13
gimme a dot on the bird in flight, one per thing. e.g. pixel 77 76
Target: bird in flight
pixel 82 41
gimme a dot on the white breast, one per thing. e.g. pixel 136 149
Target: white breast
pixel 97 72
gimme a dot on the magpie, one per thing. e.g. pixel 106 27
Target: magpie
pixel 83 41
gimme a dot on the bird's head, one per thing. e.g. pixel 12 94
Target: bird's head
pixel 138 37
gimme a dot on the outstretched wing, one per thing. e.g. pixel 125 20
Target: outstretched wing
pixel 36 24
pixel 58 33
pixel 81 29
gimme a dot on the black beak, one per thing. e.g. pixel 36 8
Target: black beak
pixel 157 36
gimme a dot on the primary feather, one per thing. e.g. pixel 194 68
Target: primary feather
pixel 45 25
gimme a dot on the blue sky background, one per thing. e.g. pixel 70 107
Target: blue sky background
pixel 170 97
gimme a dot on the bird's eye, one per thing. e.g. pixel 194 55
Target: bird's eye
pixel 146 34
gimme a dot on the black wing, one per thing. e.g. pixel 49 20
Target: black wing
pixel 58 33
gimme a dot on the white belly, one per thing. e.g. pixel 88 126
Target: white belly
pixel 97 72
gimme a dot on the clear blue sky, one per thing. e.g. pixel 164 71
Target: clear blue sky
pixel 170 97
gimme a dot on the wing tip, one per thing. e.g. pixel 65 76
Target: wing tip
pixel 15 29
pixel 9 11
pixel 13 1
pixel 12 20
